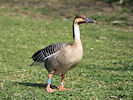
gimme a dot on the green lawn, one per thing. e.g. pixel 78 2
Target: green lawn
pixel 106 71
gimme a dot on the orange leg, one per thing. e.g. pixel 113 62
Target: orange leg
pixel 61 87
pixel 48 84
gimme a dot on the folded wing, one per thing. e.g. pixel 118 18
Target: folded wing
pixel 43 54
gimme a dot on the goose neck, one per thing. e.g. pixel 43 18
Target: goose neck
pixel 76 33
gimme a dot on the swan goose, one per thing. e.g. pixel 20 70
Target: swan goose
pixel 59 58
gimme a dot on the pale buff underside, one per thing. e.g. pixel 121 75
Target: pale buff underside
pixel 65 59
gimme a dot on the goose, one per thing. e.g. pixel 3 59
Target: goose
pixel 59 58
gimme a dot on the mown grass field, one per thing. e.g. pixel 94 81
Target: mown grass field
pixel 106 71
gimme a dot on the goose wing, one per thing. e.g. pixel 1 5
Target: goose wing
pixel 43 54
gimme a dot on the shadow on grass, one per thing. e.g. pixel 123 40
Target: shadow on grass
pixel 39 85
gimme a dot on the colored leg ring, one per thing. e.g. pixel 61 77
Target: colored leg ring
pixel 62 83
pixel 49 81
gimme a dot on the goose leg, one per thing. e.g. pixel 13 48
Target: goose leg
pixel 48 84
pixel 61 87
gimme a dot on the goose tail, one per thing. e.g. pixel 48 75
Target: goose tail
pixel 37 64
pixel 34 64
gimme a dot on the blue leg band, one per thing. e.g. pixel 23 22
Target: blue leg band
pixel 49 81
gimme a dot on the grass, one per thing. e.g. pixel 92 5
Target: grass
pixel 105 72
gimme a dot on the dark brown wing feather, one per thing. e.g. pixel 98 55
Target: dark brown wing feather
pixel 44 53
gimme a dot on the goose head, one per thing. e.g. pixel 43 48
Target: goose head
pixel 82 19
